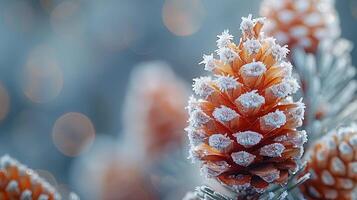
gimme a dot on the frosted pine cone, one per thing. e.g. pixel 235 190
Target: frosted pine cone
pixel 332 162
pixel 154 110
pixel 243 127
pixel 19 182
pixel 301 23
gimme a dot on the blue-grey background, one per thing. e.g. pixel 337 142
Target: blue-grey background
pixel 90 47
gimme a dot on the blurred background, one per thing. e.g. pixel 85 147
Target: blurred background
pixel 65 65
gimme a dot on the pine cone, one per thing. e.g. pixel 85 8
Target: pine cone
pixel 301 23
pixel 19 182
pixel 243 128
pixel 125 181
pixel 332 162
pixel 154 110
pixel 105 173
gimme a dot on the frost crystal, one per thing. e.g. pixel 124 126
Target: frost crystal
pixel 250 100
pixel 26 195
pixel 286 16
pixel 224 114
pixel 225 83
pixel 209 62
pixel 247 24
pixel 243 158
pixel 196 136
pixel 43 197
pixel 281 90
pixel 198 118
pixel 220 142
pixel 287 68
pixel 224 39
pixel 248 138
pixel 286 87
pixel 252 46
pixel 227 55
pixel 294 85
pixel 298 113
pixel 301 6
pixel 6 161
pixel 299 31
pixel 193 104
pixel 193 155
pixel 330 142
pixel 275 119
pixel 271 176
pixel 253 69
pixel 213 169
pixel 327 178
pixel 299 139
pixel 313 19
pixel 279 52
pixel 337 165
pixel 202 86
pixel 272 150
pixel 353 167
pixel 12 186
pixel 345 149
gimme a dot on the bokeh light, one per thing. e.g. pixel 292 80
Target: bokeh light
pixel 18 15
pixel 42 77
pixel 4 102
pixel 65 20
pixel 73 133
pixel 183 17
pixel 354 9
pixel 47 4
pixel 48 176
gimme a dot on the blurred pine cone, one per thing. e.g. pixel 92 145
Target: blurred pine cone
pixel 332 162
pixel 301 23
pixel 154 110
pixel 243 127
pixel 106 173
pixel 19 182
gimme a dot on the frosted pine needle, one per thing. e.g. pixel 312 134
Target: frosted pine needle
pixel 329 86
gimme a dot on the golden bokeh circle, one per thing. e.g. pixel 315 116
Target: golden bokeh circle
pixel 183 17
pixel 48 176
pixel 42 77
pixel 4 102
pixel 73 133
